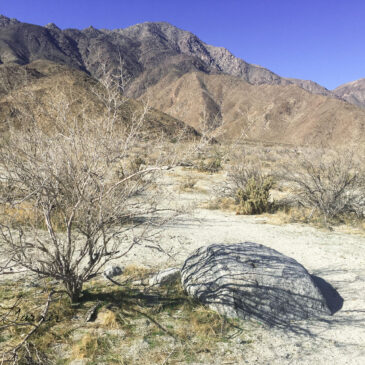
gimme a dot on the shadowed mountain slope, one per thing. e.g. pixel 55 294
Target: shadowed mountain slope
pixel 38 87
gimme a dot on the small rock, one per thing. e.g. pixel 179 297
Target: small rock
pixel 113 270
pixel 165 277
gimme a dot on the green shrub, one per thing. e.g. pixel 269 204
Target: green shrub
pixel 254 197
pixel 249 184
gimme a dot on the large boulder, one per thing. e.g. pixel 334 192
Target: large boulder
pixel 251 280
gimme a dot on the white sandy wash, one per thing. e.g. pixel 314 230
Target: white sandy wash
pixel 337 258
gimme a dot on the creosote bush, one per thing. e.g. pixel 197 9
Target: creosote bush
pixel 65 214
pixel 331 183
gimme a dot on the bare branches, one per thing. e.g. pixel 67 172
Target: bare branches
pixel 66 213
pixel 331 182
pixel 19 317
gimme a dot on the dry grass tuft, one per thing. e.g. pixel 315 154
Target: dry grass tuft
pixel 136 272
pixel 187 184
pixel 224 203
pixel 107 319
pixel 86 348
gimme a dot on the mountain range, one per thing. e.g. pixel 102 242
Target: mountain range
pixel 190 80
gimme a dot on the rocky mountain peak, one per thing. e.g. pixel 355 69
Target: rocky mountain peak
pixel 52 26
pixel 5 21
pixel 91 31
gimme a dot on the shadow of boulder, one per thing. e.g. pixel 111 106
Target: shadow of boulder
pixel 333 298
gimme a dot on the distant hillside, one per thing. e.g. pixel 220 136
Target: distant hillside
pixel 312 87
pixel 353 92
pixel 37 87
pixel 278 113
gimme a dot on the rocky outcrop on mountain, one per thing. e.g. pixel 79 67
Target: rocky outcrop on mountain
pixel 353 92
pixel 5 21
pixel 251 280
pixel 312 87
pixel 167 38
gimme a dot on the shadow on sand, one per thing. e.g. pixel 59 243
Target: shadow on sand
pixel 333 298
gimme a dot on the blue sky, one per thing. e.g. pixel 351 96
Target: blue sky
pixel 320 40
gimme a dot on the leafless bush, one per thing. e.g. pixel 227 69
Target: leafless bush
pixel 331 182
pixel 59 170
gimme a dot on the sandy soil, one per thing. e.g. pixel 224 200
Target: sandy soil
pixel 338 258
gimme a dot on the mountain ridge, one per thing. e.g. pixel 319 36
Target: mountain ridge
pixel 274 113
pixel 188 79
pixel 170 39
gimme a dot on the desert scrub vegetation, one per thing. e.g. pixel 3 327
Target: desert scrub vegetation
pixel 77 191
pixel 65 212
pixel 254 198
pixel 211 161
pixel 328 183
pixel 249 185
pixel 129 324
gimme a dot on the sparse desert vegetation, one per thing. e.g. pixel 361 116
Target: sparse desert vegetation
pixel 113 325
pixel 158 323
pixel 93 179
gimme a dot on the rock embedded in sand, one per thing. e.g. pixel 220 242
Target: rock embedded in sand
pixel 251 280
pixel 165 277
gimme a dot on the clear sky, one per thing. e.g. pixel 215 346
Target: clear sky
pixel 319 40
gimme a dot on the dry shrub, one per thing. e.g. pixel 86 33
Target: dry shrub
pixel 249 185
pixel 331 183
pixel 65 175
pixel 209 165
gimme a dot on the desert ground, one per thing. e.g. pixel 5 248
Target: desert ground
pixel 336 257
